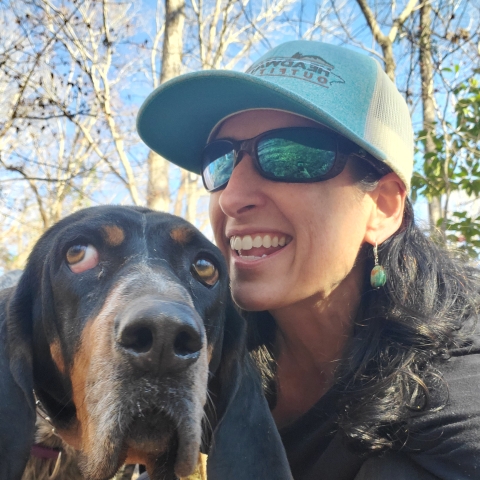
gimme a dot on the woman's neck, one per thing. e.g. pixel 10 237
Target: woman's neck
pixel 311 337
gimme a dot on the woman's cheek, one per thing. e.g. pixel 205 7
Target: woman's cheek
pixel 217 221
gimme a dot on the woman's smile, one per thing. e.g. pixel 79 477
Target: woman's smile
pixel 256 246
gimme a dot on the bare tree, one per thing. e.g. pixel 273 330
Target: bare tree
pixel 386 41
pixel 66 136
pixel 92 44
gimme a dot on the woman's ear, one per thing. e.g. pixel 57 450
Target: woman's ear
pixel 386 215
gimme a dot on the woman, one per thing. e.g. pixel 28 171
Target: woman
pixel 363 328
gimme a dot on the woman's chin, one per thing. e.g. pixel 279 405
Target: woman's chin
pixel 255 299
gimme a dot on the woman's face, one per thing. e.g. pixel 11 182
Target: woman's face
pixel 322 225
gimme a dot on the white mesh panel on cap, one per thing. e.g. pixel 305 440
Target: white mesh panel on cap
pixel 388 127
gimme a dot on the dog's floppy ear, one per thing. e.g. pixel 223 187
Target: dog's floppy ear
pixel 246 444
pixel 17 406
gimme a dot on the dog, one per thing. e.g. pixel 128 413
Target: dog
pixel 122 324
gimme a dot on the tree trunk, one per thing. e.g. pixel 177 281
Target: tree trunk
pixel 192 193
pixel 158 189
pixel 426 74
pixel 173 39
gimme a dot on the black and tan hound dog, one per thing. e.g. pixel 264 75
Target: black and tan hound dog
pixel 122 324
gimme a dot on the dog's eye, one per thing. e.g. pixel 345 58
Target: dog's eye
pixel 81 258
pixel 205 271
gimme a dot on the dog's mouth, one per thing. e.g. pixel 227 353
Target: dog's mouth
pixel 153 439
pixel 166 444
pixel 151 431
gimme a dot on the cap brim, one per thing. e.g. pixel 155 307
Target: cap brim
pixel 177 118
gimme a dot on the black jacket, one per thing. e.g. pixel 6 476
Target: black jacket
pixel 443 444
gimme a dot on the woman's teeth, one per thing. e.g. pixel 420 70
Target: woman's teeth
pixel 248 242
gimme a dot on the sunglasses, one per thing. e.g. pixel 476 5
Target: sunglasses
pixel 293 155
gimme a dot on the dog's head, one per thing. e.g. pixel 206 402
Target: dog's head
pixel 126 311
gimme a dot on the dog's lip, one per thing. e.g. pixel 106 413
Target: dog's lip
pixel 149 447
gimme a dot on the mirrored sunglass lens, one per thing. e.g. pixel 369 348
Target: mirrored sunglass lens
pixel 217 162
pixel 297 154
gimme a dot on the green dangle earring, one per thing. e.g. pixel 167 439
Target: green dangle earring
pixel 378 277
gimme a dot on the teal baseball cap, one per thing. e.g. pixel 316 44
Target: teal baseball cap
pixel 335 86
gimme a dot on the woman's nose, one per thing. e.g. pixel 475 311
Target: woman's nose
pixel 243 191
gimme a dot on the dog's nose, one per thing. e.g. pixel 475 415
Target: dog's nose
pixel 159 336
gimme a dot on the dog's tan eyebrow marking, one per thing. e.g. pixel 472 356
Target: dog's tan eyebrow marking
pixel 113 235
pixel 57 357
pixel 182 235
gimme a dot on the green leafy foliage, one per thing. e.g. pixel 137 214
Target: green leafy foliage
pixel 454 166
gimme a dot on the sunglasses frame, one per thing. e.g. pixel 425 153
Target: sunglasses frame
pixel 344 149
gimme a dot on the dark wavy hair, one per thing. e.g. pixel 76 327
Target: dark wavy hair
pixel 402 331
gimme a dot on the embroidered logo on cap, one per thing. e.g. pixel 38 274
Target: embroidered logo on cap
pixel 310 68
